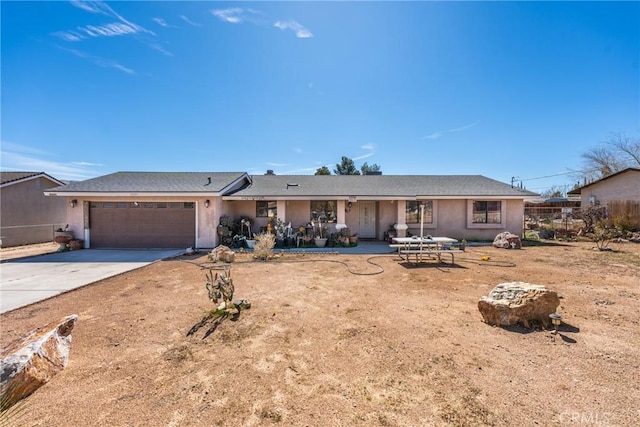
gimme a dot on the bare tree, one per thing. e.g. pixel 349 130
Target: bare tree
pixel 591 216
pixel 552 192
pixel 621 151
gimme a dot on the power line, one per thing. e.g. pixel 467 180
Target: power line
pixel 558 174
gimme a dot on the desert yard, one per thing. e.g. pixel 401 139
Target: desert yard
pixel 348 340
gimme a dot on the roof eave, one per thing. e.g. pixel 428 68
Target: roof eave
pixel 29 178
pixel 86 194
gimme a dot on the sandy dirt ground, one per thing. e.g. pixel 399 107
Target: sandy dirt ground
pixel 348 340
pixel 28 250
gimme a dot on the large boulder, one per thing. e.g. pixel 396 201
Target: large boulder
pixel 31 361
pixel 518 303
pixel 507 240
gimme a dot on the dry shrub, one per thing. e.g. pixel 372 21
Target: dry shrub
pixel 263 248
pixel 624 222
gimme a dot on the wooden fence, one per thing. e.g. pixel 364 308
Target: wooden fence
pixel 624 208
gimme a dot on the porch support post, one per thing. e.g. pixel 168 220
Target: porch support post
pixel 341 216
pixel 85 224
pixel 281 206
pixel 401 214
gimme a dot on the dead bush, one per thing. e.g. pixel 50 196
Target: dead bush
pixel 265 243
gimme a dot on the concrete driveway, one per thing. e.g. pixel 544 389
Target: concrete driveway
pixel 24 281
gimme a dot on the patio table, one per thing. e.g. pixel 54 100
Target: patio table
pixel 429 246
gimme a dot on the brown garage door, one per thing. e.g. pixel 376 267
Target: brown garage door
pixel 142 225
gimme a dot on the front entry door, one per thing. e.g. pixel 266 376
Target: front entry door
pixel 367 220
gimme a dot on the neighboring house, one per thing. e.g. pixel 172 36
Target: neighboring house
pixel 619 192
pixel 183 209
pixel 26 215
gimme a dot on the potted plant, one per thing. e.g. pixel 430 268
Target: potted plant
pixel 343 236
pixel 225 230
pixel 279 228
pixel 320 240
pixel 353 239
pixel 245 225
pixel 62 237
pixel 239 241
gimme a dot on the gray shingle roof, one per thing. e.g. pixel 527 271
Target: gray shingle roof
pixel 154 182
pixel 275 186
pixel 6 177
pixel 379 186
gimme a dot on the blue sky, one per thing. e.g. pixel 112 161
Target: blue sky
pixel 500 89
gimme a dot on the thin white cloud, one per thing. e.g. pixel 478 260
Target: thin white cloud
pixel 301 32
pixel 69 36
pixel 231 15
pixel 162 22
pixel 367 147
pixel 160 49
pixel 238 15
pixel 298 171
pixel 364 156
pixel 19 148
pixel 22 158
pixel 297 150
pixel 433 135
pixel 188 21
pixel 87 164
pixel 108 30
pixel 102 62
pixel 90 6
pixel 122 27
pixel 276 165
pixel 113 64
pixel 438 134
pixel 235 15
pixel 465 127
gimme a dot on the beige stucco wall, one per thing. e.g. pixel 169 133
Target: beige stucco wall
pixel 27 215
pixel 297 212
pixel 294 211
pixel 207 219
pixel 387 214
pixel 625 186
pixel 451 220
